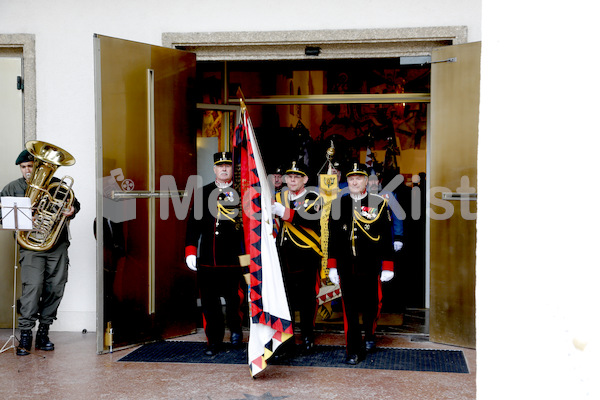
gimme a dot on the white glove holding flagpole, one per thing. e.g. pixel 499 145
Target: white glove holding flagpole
pixel 191 262
pixel 333 276
pixel 278 209
pixel 398 245
pixel 386 276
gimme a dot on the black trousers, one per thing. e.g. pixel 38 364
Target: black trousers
pixel 300 277
pixel 214 283
pixel 361 293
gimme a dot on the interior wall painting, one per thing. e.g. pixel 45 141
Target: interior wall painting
pixel 394 134
pixel 384 130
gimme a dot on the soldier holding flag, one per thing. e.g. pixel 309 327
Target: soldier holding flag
pixel 299 247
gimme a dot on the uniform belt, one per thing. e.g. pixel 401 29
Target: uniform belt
pixel 309 240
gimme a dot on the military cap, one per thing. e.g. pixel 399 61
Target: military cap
pixel 296 168
pixel 223 157
pixel 277 170
pixel 25 156
pixel 357 169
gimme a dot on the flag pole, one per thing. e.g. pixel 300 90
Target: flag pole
pixel 244 258
pixel 270 319
pixel 240 94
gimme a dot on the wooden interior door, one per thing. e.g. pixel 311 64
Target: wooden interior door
pixel 11 136
pixel 455 78
pixel 144 115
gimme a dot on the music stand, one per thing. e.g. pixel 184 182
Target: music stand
pixel 21 210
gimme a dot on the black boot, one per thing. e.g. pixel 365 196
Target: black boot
pixel 25 342
pixel 236 339
pixel 212 349
pixel 287 350
pixel 42 341
pixel 370 346
pixel 307 344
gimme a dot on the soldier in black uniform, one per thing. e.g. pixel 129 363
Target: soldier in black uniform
pixel 299 243
pixel 219 237
pixel 360 257
pixel 276 177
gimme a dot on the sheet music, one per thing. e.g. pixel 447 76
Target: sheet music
pixel 23 220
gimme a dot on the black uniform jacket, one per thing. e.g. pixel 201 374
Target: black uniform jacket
pixel 302 228
pixel 362 235
pixel 219 231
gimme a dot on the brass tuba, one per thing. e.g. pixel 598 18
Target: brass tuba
pixel 48 200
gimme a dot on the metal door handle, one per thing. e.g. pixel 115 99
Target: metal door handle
pixel 141 194
pixel 459 196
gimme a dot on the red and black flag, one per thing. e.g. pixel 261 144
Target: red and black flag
pixel 270 320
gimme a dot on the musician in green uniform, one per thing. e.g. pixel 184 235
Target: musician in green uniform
pixel 360 258
pixel 43 273
pixel 299 243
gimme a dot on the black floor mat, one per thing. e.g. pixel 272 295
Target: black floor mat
pixel 399 359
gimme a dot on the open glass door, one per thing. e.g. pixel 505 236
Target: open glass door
pixel 144 131
pixel 455 77
pixel 301 107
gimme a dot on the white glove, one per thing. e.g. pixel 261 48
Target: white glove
pixel 191 262
pixel 278 209
pixel 333 276
pixel 386 275
pixel 398 246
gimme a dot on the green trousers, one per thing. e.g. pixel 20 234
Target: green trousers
pixel 43 277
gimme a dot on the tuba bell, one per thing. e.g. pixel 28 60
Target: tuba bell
pixel 48 199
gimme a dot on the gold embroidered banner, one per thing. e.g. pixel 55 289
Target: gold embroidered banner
pixel 328 188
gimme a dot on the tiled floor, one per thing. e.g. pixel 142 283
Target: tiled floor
pixel 75 371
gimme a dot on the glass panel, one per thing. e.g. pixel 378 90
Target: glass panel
pixel 269 78
pixel 394 133
pixel 210 83
pixel 217 124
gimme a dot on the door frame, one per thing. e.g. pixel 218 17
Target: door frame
pixel 23 45
pixel 225 108
pixel 332 44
